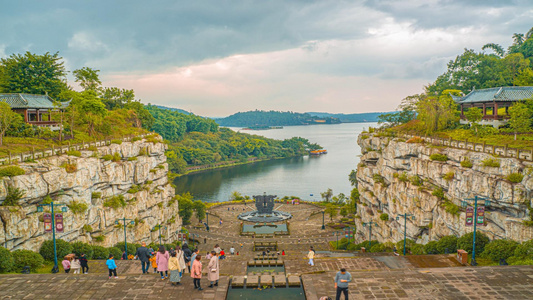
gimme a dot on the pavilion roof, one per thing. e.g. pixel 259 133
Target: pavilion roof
pixel 28 101
pixel 507 93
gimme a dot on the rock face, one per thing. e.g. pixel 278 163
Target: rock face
pixel 139 181
pixel 397 177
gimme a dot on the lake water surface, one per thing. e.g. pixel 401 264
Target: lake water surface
pixel 300 176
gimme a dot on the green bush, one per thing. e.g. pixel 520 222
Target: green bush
pixel 11 171
pixel 384 217
pixel 438 157
pixel 438 192
pixel 74 153
pixel 131 247
pixel 136 139
pixel 377 247
pixel 378 179
pixel 447 242
pixel 116 157
pixel 7 262
pixel 27 258
pixel 465 242
pixel 107 157
pixel 134 189
pixel 70 168
pixel 351 247
pixel 515 177
pixel 491 162
pixel 80 247
pixel 524 250
pixel 451 207
pixel 96 195
pixel 449 176
pixel 408 243
pixel 116 141
pixel 87 228
pixel 47 200
pixel 467 163
pixel 100 252
pixel 115 202
pixel 13 196
pixel 431 247
pixel 417 249
pixel 133 158
pixel 116 252
pixel 416 180
pixel 499 249
pixel 78 207
pixel 47 249
pixel 99 238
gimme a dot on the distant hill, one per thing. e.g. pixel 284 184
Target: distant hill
pixel 273 118
pixel 350 118
pixel 173 109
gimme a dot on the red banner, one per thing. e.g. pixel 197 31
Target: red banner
pixel 469 221
pixel 481 216
pixel 47 217
pixel 59 222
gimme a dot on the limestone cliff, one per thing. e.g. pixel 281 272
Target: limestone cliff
pixel 137 183
pixel 397 177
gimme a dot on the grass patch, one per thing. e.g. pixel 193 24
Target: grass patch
pixel 13 196
pixel 467 163
pixel 438 157
pixel 115 202
pixel 96 195
pixel 74 153
pixel 449 176
pixel 515 177
pixel 491 162
pixel 70 168
pixel 11 171
pixel 78 207
pixel 87 228
pixel 134 189
pixel 116 141
pixel 133 158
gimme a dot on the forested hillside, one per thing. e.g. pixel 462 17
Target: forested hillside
pixel 350 118
pixel 273 118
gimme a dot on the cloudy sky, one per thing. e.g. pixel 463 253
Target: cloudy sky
pixel 219 57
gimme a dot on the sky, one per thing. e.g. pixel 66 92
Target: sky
pixel 215 58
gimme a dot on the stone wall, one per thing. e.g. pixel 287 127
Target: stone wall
pixel 394 160
pixel 150 202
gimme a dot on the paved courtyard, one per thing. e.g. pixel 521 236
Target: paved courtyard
pixel 376 276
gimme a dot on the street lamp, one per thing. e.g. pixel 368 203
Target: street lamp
pixel 158 227
pixel 370 232
pixel 323 226
pixel 207 221
pixel 405 216
pixel 465 204
pixel 55 269
pixel 124 223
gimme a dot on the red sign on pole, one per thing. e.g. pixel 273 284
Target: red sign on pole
pixel 47 217
pixel 469 221
pixel 59 222
pixel 481 216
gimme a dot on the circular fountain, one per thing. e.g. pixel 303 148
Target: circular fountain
pixel 265 211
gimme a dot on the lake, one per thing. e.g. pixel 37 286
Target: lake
pixel 305 177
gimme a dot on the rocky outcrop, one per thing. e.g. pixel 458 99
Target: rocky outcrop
pixel 138 184
pixel 397 177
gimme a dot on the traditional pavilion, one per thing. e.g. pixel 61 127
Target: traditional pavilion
pixel 490 100
pixel 36 109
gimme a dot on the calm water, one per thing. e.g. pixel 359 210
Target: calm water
pixel 302 176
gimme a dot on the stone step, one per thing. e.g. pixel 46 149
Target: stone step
pixel 252 281
pixel 237 281
pixel 294 280
pixel 266 280
pixel 280 280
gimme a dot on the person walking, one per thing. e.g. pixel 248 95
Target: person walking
pixel 75 265
pixel 181 260
pixel 111 266
pixel 187 253
pixel 154 263
pixel 66 264
pixel 195 252
pixel 174 267
pixel 341 283
pixel 161 259
pixel 196 272
pixel 217 249
pixel 143 254
pixel 311 256
pixel 84 264
pixel 232 250
pixel 213 270
pixel 124 255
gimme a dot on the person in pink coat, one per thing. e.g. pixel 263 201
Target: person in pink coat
pixel 196 272
pixel 161 259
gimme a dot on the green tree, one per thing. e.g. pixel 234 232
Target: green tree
pixel 331 210
pixel 87 78
pixel 143 118
pixel 496 48
pixel 7 118
pixel 200 208
pixel 92 111
pixel 235 196
pixel 326 196
pixel 438 113
pixel 520 118
pixel 114 97
pixel 354 198
pixel 353 178
pixel 474 115
pixel 34 74
pixel 524 78
pixel 186 207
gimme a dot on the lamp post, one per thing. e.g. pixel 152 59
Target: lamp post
pixel 370 232
pixel 159 228
pixel 323 226
pixel 337 235
pixel 207 221
pixel 405 216
pixel 465 204
pixel 55 269
pixel 125 239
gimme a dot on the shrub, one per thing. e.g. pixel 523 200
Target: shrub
pixel 99 238
pixel 133 158
pixel 438 192
pixel 449 176
pixel 80 247
pixel 136 138
pixel 96 195
pixel 351 247
pixel 417 249
pixel 116 141
pixel 499 249
pixel 116 157
pixel 92 148
pixel 47 200
pixel 377 247
pixel 115 202
pixel 416 180
pixel 131 248
pixel 415 139
pixel 403 177
pixel 447 242
pixel 87 228
pixel 465 242
pixel 13 196
pixel 11 171
pixel 378 179
pixel 7 262
pixel 29 258
pixel 467 163
pixel 515 177
pixel 74 153
pixel 142 152
pixel 116 252
pixel 134 189
pixel 451 207
pixel 100 252
pixel 491 162
pixel 78 207
pixel 107 157
pixel 409 243
pixel 431 247
pixel 524 250
pixel 70 168
pixel 438 157
pixel 47 249
pixel 384 217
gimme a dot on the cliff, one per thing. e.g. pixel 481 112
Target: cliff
pixel 98 192
pixel 397 176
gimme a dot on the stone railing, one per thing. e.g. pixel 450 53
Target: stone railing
pixel 41 153
pixel 503 151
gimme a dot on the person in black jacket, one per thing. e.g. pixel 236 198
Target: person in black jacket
pixel 187 253
pixel 144 256
pixel 84 264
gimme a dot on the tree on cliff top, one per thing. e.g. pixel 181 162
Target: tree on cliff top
pixel 520 120
pixel 438 113
pixel 7 117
